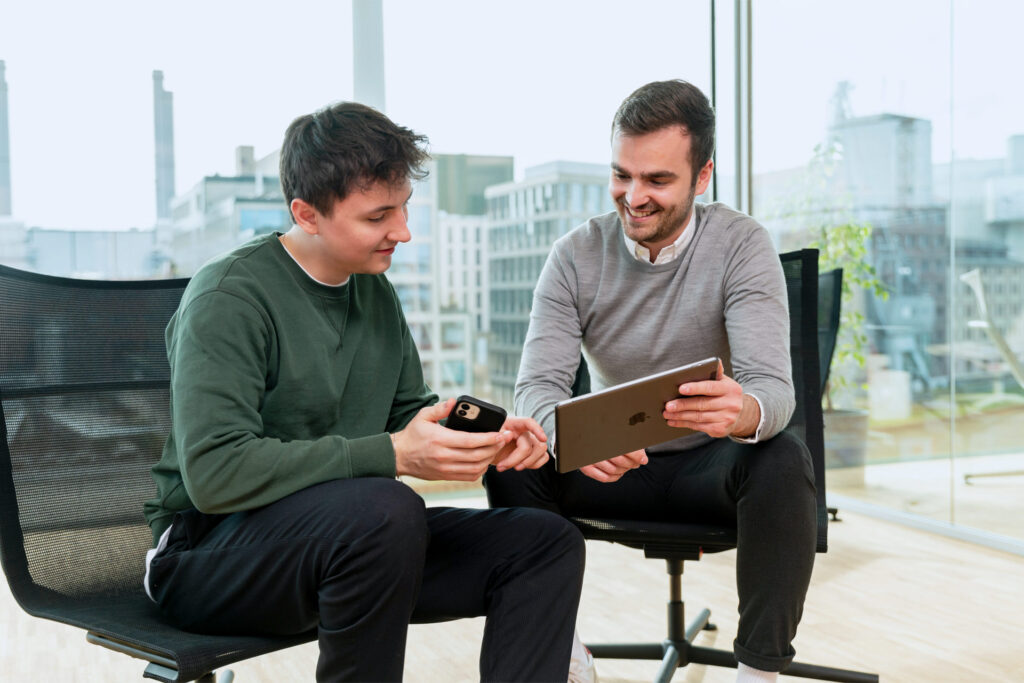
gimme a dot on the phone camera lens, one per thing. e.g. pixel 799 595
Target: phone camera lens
pixel 462 413
pixel 464 406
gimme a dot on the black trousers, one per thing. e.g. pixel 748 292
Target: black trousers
pixel 359 560
pixel 765 489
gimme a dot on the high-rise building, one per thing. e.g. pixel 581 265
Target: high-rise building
pixel 13 246
pixel 886 177
pixel 368 52
pixel 525 218
pixel 443 336
pixel 5 147
pixel 163 131
pixel 1004 200
pixel 462 253
pixel 220 212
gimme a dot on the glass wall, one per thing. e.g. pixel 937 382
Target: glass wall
pixel 890 134
pixel 885 134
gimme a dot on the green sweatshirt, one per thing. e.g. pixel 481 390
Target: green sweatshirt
pixel 279 383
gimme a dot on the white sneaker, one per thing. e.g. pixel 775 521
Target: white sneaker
pixel 581 663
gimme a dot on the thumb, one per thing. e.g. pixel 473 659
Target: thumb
pixel 439 411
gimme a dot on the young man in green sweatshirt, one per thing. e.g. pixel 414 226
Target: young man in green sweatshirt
pixel 297 396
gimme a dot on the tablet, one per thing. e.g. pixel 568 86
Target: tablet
pixel 623 418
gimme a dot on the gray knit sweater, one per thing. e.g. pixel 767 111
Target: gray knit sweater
pixel 724 296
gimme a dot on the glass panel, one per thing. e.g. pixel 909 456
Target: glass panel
pixel 185 145
pixel 852 123
pixel 984 185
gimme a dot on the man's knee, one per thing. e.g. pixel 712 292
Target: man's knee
pixel 372 512
pixel 782 461
pixel 551 533
pixel 526 488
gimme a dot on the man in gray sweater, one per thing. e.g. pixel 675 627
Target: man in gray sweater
pixel 661 282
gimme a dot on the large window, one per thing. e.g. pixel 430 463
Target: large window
pixel 892 126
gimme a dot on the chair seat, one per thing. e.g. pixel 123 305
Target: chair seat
pixel 133 619
pixel 659 538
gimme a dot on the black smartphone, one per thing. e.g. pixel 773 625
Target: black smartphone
pixel 473 415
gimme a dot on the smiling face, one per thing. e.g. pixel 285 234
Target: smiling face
pixel 653 186
pixel 359 235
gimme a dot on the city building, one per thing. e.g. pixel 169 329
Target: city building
pixel 462 249
pixel 93 254
pixel 221 212
pixel 525 218
pixel 163 133
pixel 5 146
pixel 13 245
pixel 885 174
pixel 443 335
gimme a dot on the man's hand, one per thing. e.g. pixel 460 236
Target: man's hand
pixel 716 407
pixel 426 450
pixel 611 470
pixel 528 448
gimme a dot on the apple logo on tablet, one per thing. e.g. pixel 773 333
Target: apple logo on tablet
pixel 638 418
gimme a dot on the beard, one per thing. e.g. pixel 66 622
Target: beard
pixel 670 220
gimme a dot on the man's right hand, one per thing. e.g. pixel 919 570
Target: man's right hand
pixel 611 470
pixel 426 450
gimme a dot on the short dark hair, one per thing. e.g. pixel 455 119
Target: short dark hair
pixel 662 104
pixel 344 147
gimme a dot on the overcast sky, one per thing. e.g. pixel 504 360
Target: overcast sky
pixel 537 80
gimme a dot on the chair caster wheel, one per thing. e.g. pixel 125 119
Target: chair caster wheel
pixel 710 627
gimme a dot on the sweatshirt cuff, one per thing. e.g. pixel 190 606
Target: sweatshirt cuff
pixel 372 456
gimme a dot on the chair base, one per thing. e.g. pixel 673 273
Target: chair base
pixel 677 653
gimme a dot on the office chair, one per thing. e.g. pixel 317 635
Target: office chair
pixel 84 391
pixel 676 543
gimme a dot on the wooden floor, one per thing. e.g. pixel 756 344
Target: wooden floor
pixel 906 604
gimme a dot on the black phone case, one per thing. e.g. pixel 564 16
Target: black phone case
pixel 490 419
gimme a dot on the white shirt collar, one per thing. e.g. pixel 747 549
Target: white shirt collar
pixel 667 254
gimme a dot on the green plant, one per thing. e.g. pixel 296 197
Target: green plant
pixel 842 242
pixel 845 245
pixel 818 213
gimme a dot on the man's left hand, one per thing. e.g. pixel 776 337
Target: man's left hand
pixel 716 407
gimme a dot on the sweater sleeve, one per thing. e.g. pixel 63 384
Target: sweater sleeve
pixel 757 321
pixel 551 352
pixel 219 349
pixel 413 392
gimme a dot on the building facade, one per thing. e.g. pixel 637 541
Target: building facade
pixel 524 220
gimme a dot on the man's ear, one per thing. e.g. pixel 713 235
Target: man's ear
pixel 305 216
pixel 704 177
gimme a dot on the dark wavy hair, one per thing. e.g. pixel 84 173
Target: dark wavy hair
pixel 662 104
pixel 346 147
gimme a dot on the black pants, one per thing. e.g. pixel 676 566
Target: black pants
pixel 765 489
pixel 359 560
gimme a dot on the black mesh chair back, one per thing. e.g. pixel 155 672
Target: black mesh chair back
pixel 830 292
pixel 84 388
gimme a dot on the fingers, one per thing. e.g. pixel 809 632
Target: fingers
pixel 631 460
pixel 527 452
pixel 612 469
pixel 597 474
pixel 525 424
